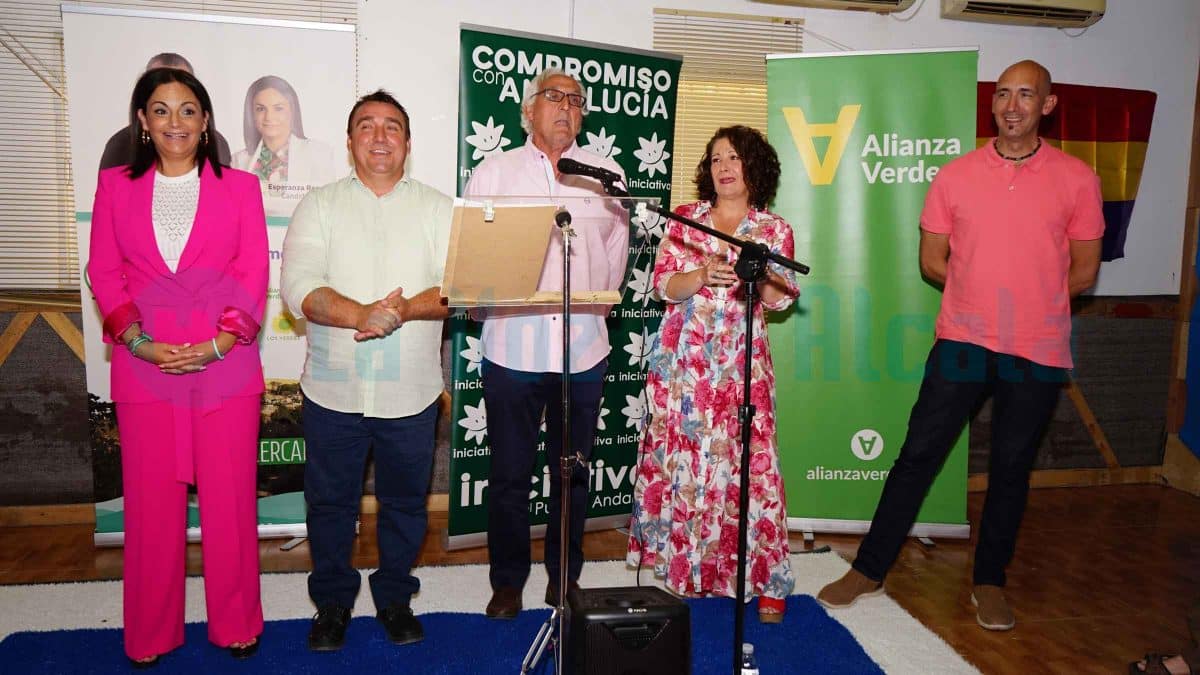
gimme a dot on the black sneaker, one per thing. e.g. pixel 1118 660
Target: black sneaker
pixel 402 627
pixel 328 632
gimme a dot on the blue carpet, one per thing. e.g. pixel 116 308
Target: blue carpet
pixel 808 641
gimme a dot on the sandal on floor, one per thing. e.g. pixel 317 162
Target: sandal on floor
pixel 245 651
pixel 142 665
pixel 1155 665
pixel 770 610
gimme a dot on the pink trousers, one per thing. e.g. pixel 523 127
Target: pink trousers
pixel 225 449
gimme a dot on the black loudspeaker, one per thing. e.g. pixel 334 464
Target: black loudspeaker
pixel 627 631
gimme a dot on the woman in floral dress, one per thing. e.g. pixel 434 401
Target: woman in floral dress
pixel 685 517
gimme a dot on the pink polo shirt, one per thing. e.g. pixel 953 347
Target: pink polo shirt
pixel 1010 229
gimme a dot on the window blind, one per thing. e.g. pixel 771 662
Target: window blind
pixel 723 80
pixel 38 247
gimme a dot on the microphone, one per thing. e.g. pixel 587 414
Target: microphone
pixel 570 166
pixel 562 218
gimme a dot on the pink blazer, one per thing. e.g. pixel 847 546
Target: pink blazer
pixel 221 280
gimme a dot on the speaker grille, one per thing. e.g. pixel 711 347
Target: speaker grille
pixel 627 631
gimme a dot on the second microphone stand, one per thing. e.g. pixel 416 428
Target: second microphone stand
pixel 751 267
pixel 553 630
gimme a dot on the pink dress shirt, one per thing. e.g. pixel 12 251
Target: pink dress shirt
pixel 529 339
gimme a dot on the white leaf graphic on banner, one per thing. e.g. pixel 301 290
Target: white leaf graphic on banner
pixel 651 225
pixel 639 283
pixel 653 155
pixel 473 353
pixel 602 144
pixel 475 422
pixel 635 410
pixel 639 348
pixel 488 139
pixel 600 417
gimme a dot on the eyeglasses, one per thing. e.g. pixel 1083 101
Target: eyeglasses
pixel 556 96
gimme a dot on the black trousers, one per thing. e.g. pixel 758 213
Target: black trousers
pixel 957 376
pixel 515 400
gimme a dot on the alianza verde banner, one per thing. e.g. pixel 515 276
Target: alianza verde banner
pixel 860 136
pixel 630 117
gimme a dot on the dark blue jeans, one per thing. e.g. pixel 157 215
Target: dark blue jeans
pixel 515 400
pixel 957 376
pixel 337 444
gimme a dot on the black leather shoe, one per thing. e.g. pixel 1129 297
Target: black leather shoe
pixel 552 592
pixel 328 632
pixel 245 651
pixel 402 627
pixel 505 603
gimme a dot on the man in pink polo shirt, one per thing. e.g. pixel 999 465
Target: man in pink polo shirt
pixel 1012 231
pixel 522 346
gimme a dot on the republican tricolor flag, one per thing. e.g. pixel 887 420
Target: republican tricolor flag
pixel 1106 127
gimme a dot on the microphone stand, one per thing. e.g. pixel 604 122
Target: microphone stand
pixel 751 267
pixel 555 624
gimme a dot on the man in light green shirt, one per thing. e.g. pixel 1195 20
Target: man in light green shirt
pixel 362 262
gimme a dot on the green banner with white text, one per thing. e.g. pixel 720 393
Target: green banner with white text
pixel 630 117
pixel 860 136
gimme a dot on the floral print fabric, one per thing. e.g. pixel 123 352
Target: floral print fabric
pixel 686 495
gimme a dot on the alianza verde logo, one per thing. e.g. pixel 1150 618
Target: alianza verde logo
pixel 887 158
pixel 821 170
pixel 866 444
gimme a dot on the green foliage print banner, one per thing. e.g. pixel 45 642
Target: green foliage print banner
pixel 860 136
pixel 631 119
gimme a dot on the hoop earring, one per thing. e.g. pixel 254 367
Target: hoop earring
pixel 145 138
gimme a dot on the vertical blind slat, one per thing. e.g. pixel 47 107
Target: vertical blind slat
pixel 723 80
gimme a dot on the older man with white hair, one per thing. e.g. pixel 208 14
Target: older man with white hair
pixel 522 347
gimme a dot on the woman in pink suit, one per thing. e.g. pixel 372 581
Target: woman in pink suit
pixel 178 265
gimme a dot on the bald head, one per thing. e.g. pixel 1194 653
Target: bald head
pixel 1021 99
pixel 1029 71
pixel 169 60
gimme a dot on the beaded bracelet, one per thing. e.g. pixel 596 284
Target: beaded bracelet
pixel 217 351
pixel 138 342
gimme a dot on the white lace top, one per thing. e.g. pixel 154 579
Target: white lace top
pixel 173 211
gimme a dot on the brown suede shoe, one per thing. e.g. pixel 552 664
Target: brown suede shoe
pixel 992 611
pixel 846 591
pixel 505 603
pixel 552 592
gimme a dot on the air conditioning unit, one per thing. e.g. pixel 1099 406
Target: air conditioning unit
pixel 881 6
pixel 1050 13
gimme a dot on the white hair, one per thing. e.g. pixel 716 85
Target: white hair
pixel 535 85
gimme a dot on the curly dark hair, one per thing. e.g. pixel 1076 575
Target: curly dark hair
pixel 760 165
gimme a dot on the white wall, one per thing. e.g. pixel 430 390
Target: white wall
pixel 412 49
